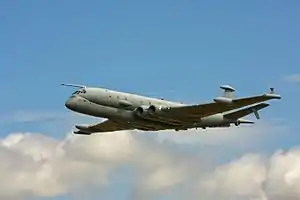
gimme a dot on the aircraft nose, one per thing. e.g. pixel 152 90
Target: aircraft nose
pixel 69 103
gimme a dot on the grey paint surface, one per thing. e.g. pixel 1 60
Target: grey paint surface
pixel 132 111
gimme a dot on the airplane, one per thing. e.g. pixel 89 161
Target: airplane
pixel 128 111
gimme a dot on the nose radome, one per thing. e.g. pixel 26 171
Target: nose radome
pixel 69 103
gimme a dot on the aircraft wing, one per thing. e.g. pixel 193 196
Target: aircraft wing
pixel 203 110
pixel 106 126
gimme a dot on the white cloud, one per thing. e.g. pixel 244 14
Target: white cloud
pixel 32 164
pixel 293 78
pixel 255 177
pixel 38 165
pixel 240 178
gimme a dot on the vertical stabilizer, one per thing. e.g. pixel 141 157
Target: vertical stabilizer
pixel 228 91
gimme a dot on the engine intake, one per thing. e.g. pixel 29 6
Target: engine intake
pixel 151 113
pixel 153 109
pixel 141 110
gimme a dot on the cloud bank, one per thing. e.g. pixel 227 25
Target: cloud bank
pixel 184 165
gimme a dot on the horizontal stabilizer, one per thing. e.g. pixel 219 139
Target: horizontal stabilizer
pixel 246 111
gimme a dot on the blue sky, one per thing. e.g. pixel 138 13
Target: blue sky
pixel 178 50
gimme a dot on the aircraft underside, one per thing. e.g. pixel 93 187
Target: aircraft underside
pixel 153 121
pixel 147 118
pixel 148 122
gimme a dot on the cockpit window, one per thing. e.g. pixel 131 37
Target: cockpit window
pixel 76 92
pixel 79 92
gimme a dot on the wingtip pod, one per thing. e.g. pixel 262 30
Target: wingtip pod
pixel 245 121
pixel 82 130
pixel 271 94
pixel 81 133
pixel 82 126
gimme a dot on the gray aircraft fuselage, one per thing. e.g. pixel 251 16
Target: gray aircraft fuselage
pixel 122 107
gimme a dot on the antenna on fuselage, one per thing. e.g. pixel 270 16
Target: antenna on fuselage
pixel 83 87
pixel 228 91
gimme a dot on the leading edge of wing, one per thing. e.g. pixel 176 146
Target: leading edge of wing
pixel 204 110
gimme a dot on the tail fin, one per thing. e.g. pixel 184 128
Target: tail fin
pixel 228 91
pixel 246 111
